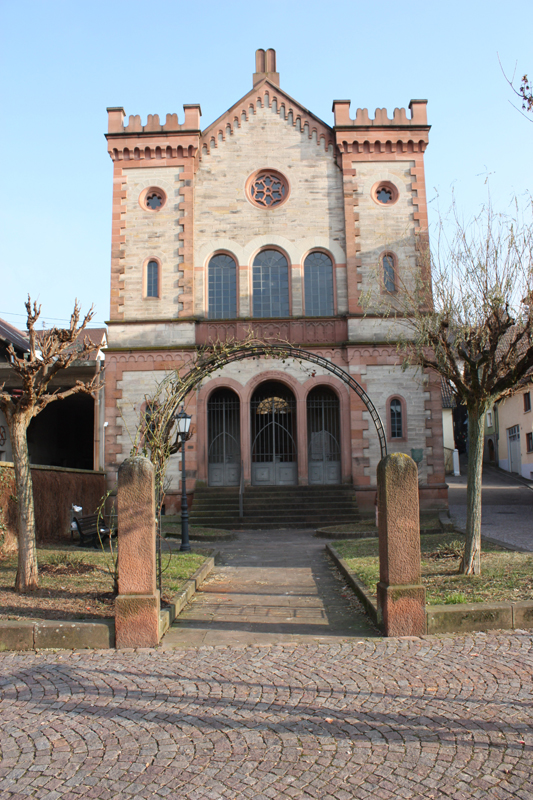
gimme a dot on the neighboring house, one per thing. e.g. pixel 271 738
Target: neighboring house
pixel 490 451
pixel 274 221
pixel 448 439
pixel 67 433
pixel 515 444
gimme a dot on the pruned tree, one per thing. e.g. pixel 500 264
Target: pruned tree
pixel 473 326
pixel 50 352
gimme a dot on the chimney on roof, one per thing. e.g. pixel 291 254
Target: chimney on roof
pixel 265 66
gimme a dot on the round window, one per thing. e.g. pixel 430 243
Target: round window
pixel 384 193
pixel 152 199
pixel 267 188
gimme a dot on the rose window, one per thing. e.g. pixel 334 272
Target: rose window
pixel 154 201
pixel 268 189
pixel 384 193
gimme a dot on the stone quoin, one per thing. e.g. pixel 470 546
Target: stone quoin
pixel 275 221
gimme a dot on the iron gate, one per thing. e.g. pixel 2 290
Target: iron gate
pixel 223 431
pixel 323 436
pixel 273 415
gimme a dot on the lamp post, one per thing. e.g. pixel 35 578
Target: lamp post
pixel 183 421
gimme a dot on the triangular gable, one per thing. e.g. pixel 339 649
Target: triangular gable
pixel 265 93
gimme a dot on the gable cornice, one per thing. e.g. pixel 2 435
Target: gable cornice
pixel 266 93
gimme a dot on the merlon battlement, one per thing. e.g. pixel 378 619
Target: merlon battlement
pixel 117 115
pixel 341 109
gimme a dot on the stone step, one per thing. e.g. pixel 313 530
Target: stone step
pixel 270 507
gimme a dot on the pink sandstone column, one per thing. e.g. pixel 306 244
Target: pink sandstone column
pixel 401 596
pixel 137 604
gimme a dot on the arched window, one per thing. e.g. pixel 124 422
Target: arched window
pixel 270 284
pixel 389 273
pixel 396 419
pixel 318 282
pixel 222 287
pixel 152 279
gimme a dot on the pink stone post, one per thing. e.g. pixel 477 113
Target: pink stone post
pixel 137 604
pixel 401 596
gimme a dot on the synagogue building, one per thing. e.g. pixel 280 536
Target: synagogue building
pixel 272 221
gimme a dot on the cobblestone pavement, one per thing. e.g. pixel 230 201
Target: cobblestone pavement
pixel 375 718
pixel 507 506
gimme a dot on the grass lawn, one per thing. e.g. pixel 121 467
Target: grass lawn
pixel 505 575
pixel 77 583
pixel 171 526
pixel 427 522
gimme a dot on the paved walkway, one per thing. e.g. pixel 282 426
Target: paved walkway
pixel 273 586
pixel 380 718
pixel 507 507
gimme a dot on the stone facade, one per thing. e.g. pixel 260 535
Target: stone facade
pixel 334 179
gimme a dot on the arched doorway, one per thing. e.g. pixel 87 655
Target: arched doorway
pixel 223 436
pixel 273 435
pixel 323 436
pixel 210 362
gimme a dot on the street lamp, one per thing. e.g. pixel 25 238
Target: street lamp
pixel 183 421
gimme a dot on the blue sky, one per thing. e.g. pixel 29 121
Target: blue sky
pixel 63 63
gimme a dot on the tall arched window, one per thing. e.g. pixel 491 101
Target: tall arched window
pixel 270 284
pixel 396 419
pixel 222 287
pixel 318 282
pixel 389 273
pixel 152 279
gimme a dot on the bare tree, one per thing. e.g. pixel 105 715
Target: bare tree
pixel 50 352
pixel 473 326
pixel 524 91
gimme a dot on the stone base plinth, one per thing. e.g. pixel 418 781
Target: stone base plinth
pixel 137 620
pixel 402 609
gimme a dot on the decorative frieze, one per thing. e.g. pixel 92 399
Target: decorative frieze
pixel 296 331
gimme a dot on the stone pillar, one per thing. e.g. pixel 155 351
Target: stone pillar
pixel 401 596
pixel 137 604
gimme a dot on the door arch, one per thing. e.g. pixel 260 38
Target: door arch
pixel 323 436
pixel 273 435
pixel 223 437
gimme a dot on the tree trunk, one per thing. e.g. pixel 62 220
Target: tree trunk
pixel 471 563
pixel 8 528
pixel 27 573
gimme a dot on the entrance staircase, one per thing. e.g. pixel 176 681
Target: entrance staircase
pixel 272 507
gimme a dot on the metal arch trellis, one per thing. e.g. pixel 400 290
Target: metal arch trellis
pixel 219 358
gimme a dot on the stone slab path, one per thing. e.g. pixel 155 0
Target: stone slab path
pixel 271 587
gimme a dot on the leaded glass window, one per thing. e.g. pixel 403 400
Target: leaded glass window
pixel 152 279
pixel 318 282
pixel 222 287
pixel 270 285
pixel 389 278
pixel 396 419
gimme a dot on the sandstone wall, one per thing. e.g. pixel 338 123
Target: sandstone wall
pixel 312 217
pixel 152 234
